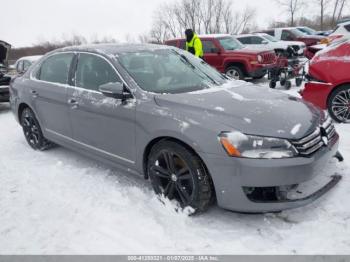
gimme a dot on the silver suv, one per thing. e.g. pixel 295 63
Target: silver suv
pixel 166 115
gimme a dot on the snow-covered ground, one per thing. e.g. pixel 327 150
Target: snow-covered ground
pixel 58 202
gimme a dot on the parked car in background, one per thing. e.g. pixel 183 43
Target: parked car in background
pixel 342 30
pixel 309 31
pixel 267 41
pixel 329 81
pixel 4 79
pixel 230 57
pixel 22 64
pixel 293 34
pixel 164 114
pixel 19 68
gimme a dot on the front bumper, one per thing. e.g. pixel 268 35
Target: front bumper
pixel 260 70
pixel 231 177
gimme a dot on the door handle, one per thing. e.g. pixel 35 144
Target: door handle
pixel 73 103
pixel 34 93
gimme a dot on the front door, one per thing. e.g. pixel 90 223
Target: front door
pixel 212 55
pixel 103 126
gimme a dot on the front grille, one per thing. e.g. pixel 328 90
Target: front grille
pixel 269 58
pixel 317 139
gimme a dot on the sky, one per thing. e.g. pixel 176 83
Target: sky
pixel 30 22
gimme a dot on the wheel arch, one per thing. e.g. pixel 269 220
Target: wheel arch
pixel 240 64
pixel 334 89
pixel 21 107
pixel 156 140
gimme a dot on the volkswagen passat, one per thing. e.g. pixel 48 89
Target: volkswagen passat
pixel 161 113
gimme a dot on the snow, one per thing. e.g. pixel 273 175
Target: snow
pixel 248 120
pixel 295 129
pixel 237 138
pixel 219 108
pixel 59 202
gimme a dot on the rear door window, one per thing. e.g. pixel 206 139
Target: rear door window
pixel 94 71
pixel 256 40
pixel 245 40
pixel 55 68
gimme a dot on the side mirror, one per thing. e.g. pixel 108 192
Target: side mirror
pixel 114 90
pixel 264 42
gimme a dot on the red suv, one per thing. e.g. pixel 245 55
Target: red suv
pixel 329 81
pixel 229 56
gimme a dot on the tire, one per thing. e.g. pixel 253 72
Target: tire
pixel 235 73
pixel 272 84
pixel 339 104
pixel 259 77
pixel 298 81
pixel 32 131
pixel 179 174
pixel 288 85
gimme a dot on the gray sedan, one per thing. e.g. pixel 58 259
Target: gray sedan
pixel 164 114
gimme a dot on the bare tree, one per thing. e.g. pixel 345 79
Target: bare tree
pixel 203 16
pixel 338 9
pixel 323 4
pixel 292 7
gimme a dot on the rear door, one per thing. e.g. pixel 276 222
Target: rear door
pixel 49 94
pixel 103 126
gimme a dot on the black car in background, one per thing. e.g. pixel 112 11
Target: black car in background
pixel 4 78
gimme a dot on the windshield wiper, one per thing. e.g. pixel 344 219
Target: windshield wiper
pixel 194 67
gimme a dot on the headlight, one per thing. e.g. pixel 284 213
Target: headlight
pixel 260 59
pixel 237 144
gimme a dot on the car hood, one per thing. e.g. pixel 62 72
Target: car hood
pixel 255 49
pixel 312 37
pixel 298 43
pixel 247 108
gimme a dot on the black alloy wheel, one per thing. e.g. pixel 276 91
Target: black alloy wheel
pixel 32 131
pixel 178 174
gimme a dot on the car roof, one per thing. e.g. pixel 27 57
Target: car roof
pixel 244 35
pixel 30 58
pixel 113 49
pixel 214 35
pixel 202 36
pixel 344 23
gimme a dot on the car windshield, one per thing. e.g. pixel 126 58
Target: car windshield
pixel 230 43
pixel 297 32
pixel 169 71
pixel 269 38
pixel 307 30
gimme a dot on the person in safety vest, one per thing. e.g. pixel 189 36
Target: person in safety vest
pixel 193 43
